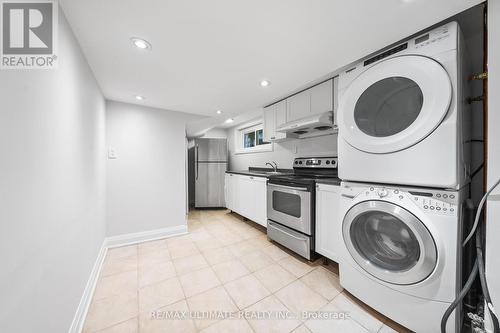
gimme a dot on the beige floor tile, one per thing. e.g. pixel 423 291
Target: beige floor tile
pixel 215 300
pixel 228 238
pixel 303 329
pixel 119 265
pixel 122 252
pixel 274 277
pixel 337 322
pixel 110 311
pixel 275 252
pixel 129 326
pixel 323 282
pixel 178 240
pixel 199 281
pixel 277 323
pixel 260 241
pixel 229 326
pixel 183 250
pixel 117 284
pixel 189 264
pixel 241 248
pixel 230 270
pixel 199 235
pixel 215 229
pixel 160 324
pixel 152 246
pixel 295 266
pixel 299 297
pixel 195 225
pixel 246 291
pixel 155 296
pixel 216 256
pixel 256 260
pixel 357 313
pixel 153 257
pixel 208 244
pixel 155 273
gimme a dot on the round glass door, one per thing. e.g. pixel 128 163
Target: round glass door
pixel 389 242
pixel 394 104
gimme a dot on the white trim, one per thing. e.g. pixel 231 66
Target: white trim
pixel 83 307
pixel 139 237
pixel 239 132
pixel 112 242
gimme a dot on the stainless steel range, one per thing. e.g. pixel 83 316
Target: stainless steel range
pixel 291 203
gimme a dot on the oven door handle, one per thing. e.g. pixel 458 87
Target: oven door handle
pixel 304 189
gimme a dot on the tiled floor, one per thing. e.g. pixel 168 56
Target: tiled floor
pixel 224 266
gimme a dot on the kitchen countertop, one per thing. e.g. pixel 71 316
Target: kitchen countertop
pixel 329 181
pixel 258 172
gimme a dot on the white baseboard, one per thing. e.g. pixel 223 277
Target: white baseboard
pixel 139 237
pixel 83 307
pixel 111 242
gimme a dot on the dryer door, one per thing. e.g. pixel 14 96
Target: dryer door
pixel 394 104
pixel 389 242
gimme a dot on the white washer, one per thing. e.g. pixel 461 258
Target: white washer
pixel 404 106
pixel 401 252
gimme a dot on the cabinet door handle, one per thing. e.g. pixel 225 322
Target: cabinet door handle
pixel 251 177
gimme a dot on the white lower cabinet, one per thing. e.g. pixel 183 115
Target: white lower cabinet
pixel 328 221
pixel 247 196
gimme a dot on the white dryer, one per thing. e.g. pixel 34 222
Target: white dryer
pixel 401 252
pixel 404 106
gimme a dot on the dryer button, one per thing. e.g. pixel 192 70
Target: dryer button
pixel 426 207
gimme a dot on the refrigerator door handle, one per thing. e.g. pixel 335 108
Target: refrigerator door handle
pixel 196 160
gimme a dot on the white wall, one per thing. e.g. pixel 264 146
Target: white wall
pixel 146 187
pixel 493 173
pixel 52 189
pixel 283 152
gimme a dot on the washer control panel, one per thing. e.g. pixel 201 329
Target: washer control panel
pixel 430 201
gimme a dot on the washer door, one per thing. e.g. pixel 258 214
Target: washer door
pixel 389 242
pixel 394 104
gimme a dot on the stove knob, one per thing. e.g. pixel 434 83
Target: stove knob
pixel 382 192
pixel 327 162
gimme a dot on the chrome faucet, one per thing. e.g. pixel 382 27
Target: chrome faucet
pixel 275 166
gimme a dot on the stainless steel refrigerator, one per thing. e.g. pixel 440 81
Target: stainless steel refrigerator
pixel 210 168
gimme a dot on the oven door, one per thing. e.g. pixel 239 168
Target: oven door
pixel 290 205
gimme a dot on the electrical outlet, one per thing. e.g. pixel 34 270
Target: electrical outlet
pixel 111 153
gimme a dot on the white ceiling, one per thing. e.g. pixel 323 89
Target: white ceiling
pixel 212 54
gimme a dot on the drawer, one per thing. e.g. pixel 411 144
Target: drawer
pixel 295 241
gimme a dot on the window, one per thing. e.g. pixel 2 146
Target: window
pixel 250 138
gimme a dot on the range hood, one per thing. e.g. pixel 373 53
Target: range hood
pixel 311 126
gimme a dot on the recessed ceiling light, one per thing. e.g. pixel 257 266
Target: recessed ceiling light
pixel 264 83
pixel 141 43
pixel 218 111
pixel 230 120
pixel 139 97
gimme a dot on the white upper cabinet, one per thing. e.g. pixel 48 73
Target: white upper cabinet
pixel 322 97
pixel 318 99
pixel 298 106
pixel 280 113
pixel 274 116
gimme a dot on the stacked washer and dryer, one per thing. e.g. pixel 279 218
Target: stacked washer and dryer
pixel 404 158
